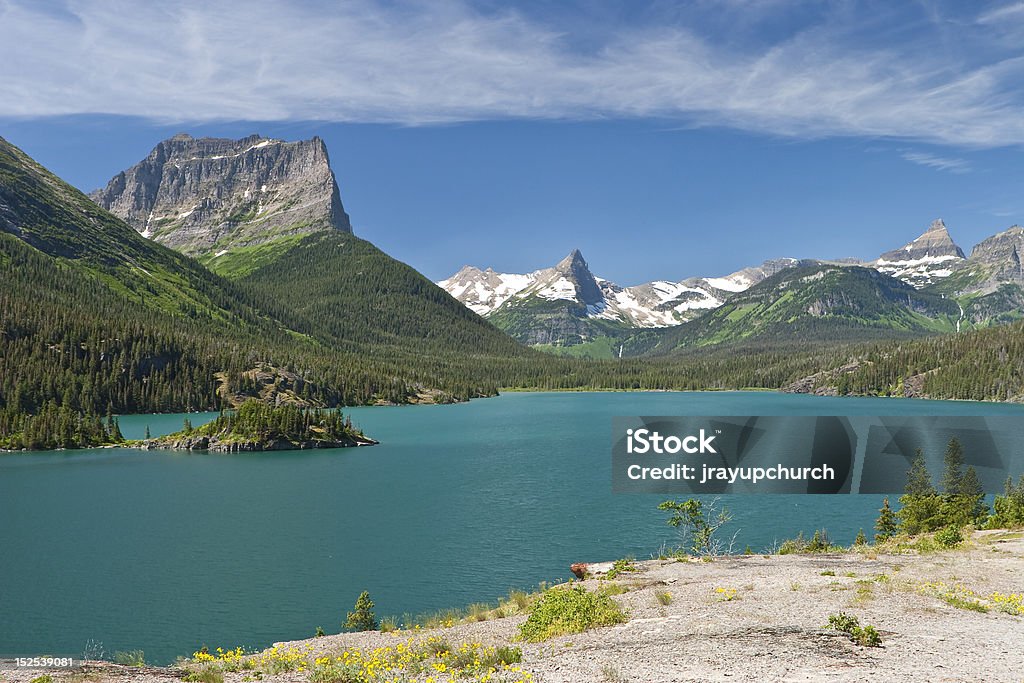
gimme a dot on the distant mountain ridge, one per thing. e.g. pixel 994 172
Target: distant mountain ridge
pixel 207 196
pixel 815 302
pixel 653 304
pixel 988 286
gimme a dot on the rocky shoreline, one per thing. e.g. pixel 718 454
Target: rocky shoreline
pixel 213 444
pixel 747 617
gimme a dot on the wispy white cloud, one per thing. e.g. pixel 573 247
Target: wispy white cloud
pixel 952 165
pixel 1011 12
pixel 415 63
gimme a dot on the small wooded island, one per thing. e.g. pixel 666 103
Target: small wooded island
pixel 257 426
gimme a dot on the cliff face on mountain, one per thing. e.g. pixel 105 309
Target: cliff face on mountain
pixel 207 196
pixel 999 257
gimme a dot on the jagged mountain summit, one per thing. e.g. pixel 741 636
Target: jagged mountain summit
pixel 660 303
pixel 208 196
pixel 932 256
pixel 566 304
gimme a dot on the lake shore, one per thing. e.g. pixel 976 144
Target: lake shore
pixel 753 617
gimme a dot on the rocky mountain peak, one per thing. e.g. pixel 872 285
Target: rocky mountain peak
pixel 573 263
pixel 933 255
pixel 933 242
pixel 572 271
pixel 998 258
pixel 207 196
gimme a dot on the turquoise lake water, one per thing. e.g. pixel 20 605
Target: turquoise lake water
pixel 166 552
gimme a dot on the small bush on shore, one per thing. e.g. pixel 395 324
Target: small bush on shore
pixel 698 526
pixel 208 674
pixel 866 636
pixel 625 565
pixel 950 537
pixel 479 611
pixel 569 610
pixel 1008 509
pixel 130 658
pixel 819 543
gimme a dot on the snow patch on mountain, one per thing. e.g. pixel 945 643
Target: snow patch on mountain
pixel 661 303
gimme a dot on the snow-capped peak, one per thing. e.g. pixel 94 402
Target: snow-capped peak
pixel 660 303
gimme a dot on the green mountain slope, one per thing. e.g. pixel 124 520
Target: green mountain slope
pixel 351 295
pixel 58 220
pixel 536 320
pixel 818 303
pixel 985 303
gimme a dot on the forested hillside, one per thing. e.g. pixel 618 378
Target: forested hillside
pixel 978 365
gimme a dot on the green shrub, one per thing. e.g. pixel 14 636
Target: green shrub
pixel 843 622
pixel 208 674
pixel 793 546
pixel 45 678
pixel 697 525
pixel 499 657
pixel 950 537
pixel 130 658
pixel 1009 507
pixel 362 618
pixel 819 543
pixel 569 610
pixel 625 565
pixel 478 611
pixel 664 597
pixel 866 636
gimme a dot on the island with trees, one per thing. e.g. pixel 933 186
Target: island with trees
pixel 257 426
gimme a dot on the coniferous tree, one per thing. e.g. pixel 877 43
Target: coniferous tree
pixel 920 505
pixel 363 617
pixel 963 494
pixel 953 468
pixel 1008 509
pixel 887 524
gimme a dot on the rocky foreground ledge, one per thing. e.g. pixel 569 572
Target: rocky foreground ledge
pixel 941 617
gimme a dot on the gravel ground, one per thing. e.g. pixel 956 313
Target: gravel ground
pixel 772 630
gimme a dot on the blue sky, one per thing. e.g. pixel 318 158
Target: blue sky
pixel 662 139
